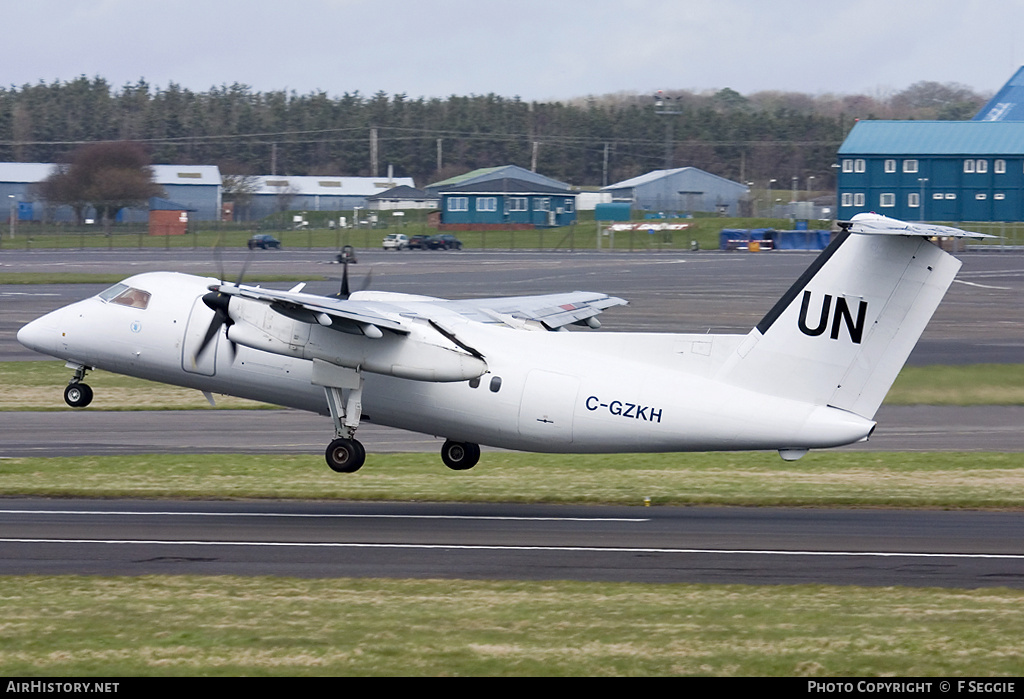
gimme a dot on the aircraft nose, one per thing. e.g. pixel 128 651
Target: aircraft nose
pixel 41 334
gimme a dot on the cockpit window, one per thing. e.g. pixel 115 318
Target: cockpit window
pixel 124 295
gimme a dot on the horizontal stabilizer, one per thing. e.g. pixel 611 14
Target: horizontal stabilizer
pixel 876 224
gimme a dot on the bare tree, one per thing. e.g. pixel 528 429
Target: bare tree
pixel 107 176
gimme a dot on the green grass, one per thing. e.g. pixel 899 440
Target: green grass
pixel 821 479
pixel 262 626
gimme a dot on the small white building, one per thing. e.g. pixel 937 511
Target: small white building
pixel 401 197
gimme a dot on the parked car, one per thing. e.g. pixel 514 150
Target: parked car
pixel 264 241
pixel 395 241
pixel 444 241
pixel 418 242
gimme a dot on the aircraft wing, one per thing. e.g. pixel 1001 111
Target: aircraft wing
pixel 322 308
pixel 552 310
pixel 395 312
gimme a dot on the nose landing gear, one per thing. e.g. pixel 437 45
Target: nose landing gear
pixel 78 394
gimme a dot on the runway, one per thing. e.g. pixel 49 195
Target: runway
pixel 525 542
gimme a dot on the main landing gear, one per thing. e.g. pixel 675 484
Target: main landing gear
pixel 345 454
pixel 78 394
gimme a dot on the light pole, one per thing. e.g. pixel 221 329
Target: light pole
pixel 14 213
pixel 923 181
pixel 771 201
pixel 810 181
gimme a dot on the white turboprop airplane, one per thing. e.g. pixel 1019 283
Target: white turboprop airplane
pixel 810 375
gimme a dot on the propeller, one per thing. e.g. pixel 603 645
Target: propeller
pixel 218 302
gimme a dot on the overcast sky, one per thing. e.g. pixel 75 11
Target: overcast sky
pixel 534 49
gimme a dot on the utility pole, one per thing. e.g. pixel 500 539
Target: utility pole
pixel 604 168
pixel 533 158
pixel 273 158
pixel 439 155
pixel 373 151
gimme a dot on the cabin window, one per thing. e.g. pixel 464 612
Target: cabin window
pixel 495 384
pixel 474 382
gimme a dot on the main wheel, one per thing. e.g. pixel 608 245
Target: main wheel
pixel 460 456
pixel 78 395
pixel 345 455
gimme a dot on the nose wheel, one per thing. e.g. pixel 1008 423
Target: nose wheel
pixel 78 395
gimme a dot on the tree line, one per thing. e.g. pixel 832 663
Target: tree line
pixel 586 141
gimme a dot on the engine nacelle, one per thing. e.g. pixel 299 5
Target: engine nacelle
pixel 422 355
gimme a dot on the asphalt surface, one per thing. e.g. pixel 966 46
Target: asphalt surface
pixel 526 542
pixel 980 320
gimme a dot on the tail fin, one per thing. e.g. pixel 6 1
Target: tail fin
pixel 843 331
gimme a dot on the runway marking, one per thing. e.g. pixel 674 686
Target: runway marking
pixel 328 515
pixel 983 286
pixel 485 547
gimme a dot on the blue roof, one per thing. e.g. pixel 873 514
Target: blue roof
pixel 925 138
pixel 1008 103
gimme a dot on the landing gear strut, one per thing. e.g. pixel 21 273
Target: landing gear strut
pixel 460 456
pixel 78 394
pixel 344 390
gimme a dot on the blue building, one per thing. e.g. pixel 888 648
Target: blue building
pixel 506 203
pixel 487 174
pixel 933 170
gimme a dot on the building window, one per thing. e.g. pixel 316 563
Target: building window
pixel 913 200
pixel 542 204
pixel 999 167
pixel 888 199
pixel 847 199
pixel 458 203
pixel 910 166
pixel 570 205
pixel 938 195
pixel 981 166
pixel 487 204
pixel 999 196
pixel 858 199
pixel 890 165
pixel 519 204
pixel 951 195
pixel 968 166
pixel 981 196
pixel 859 165
pixel 847 165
